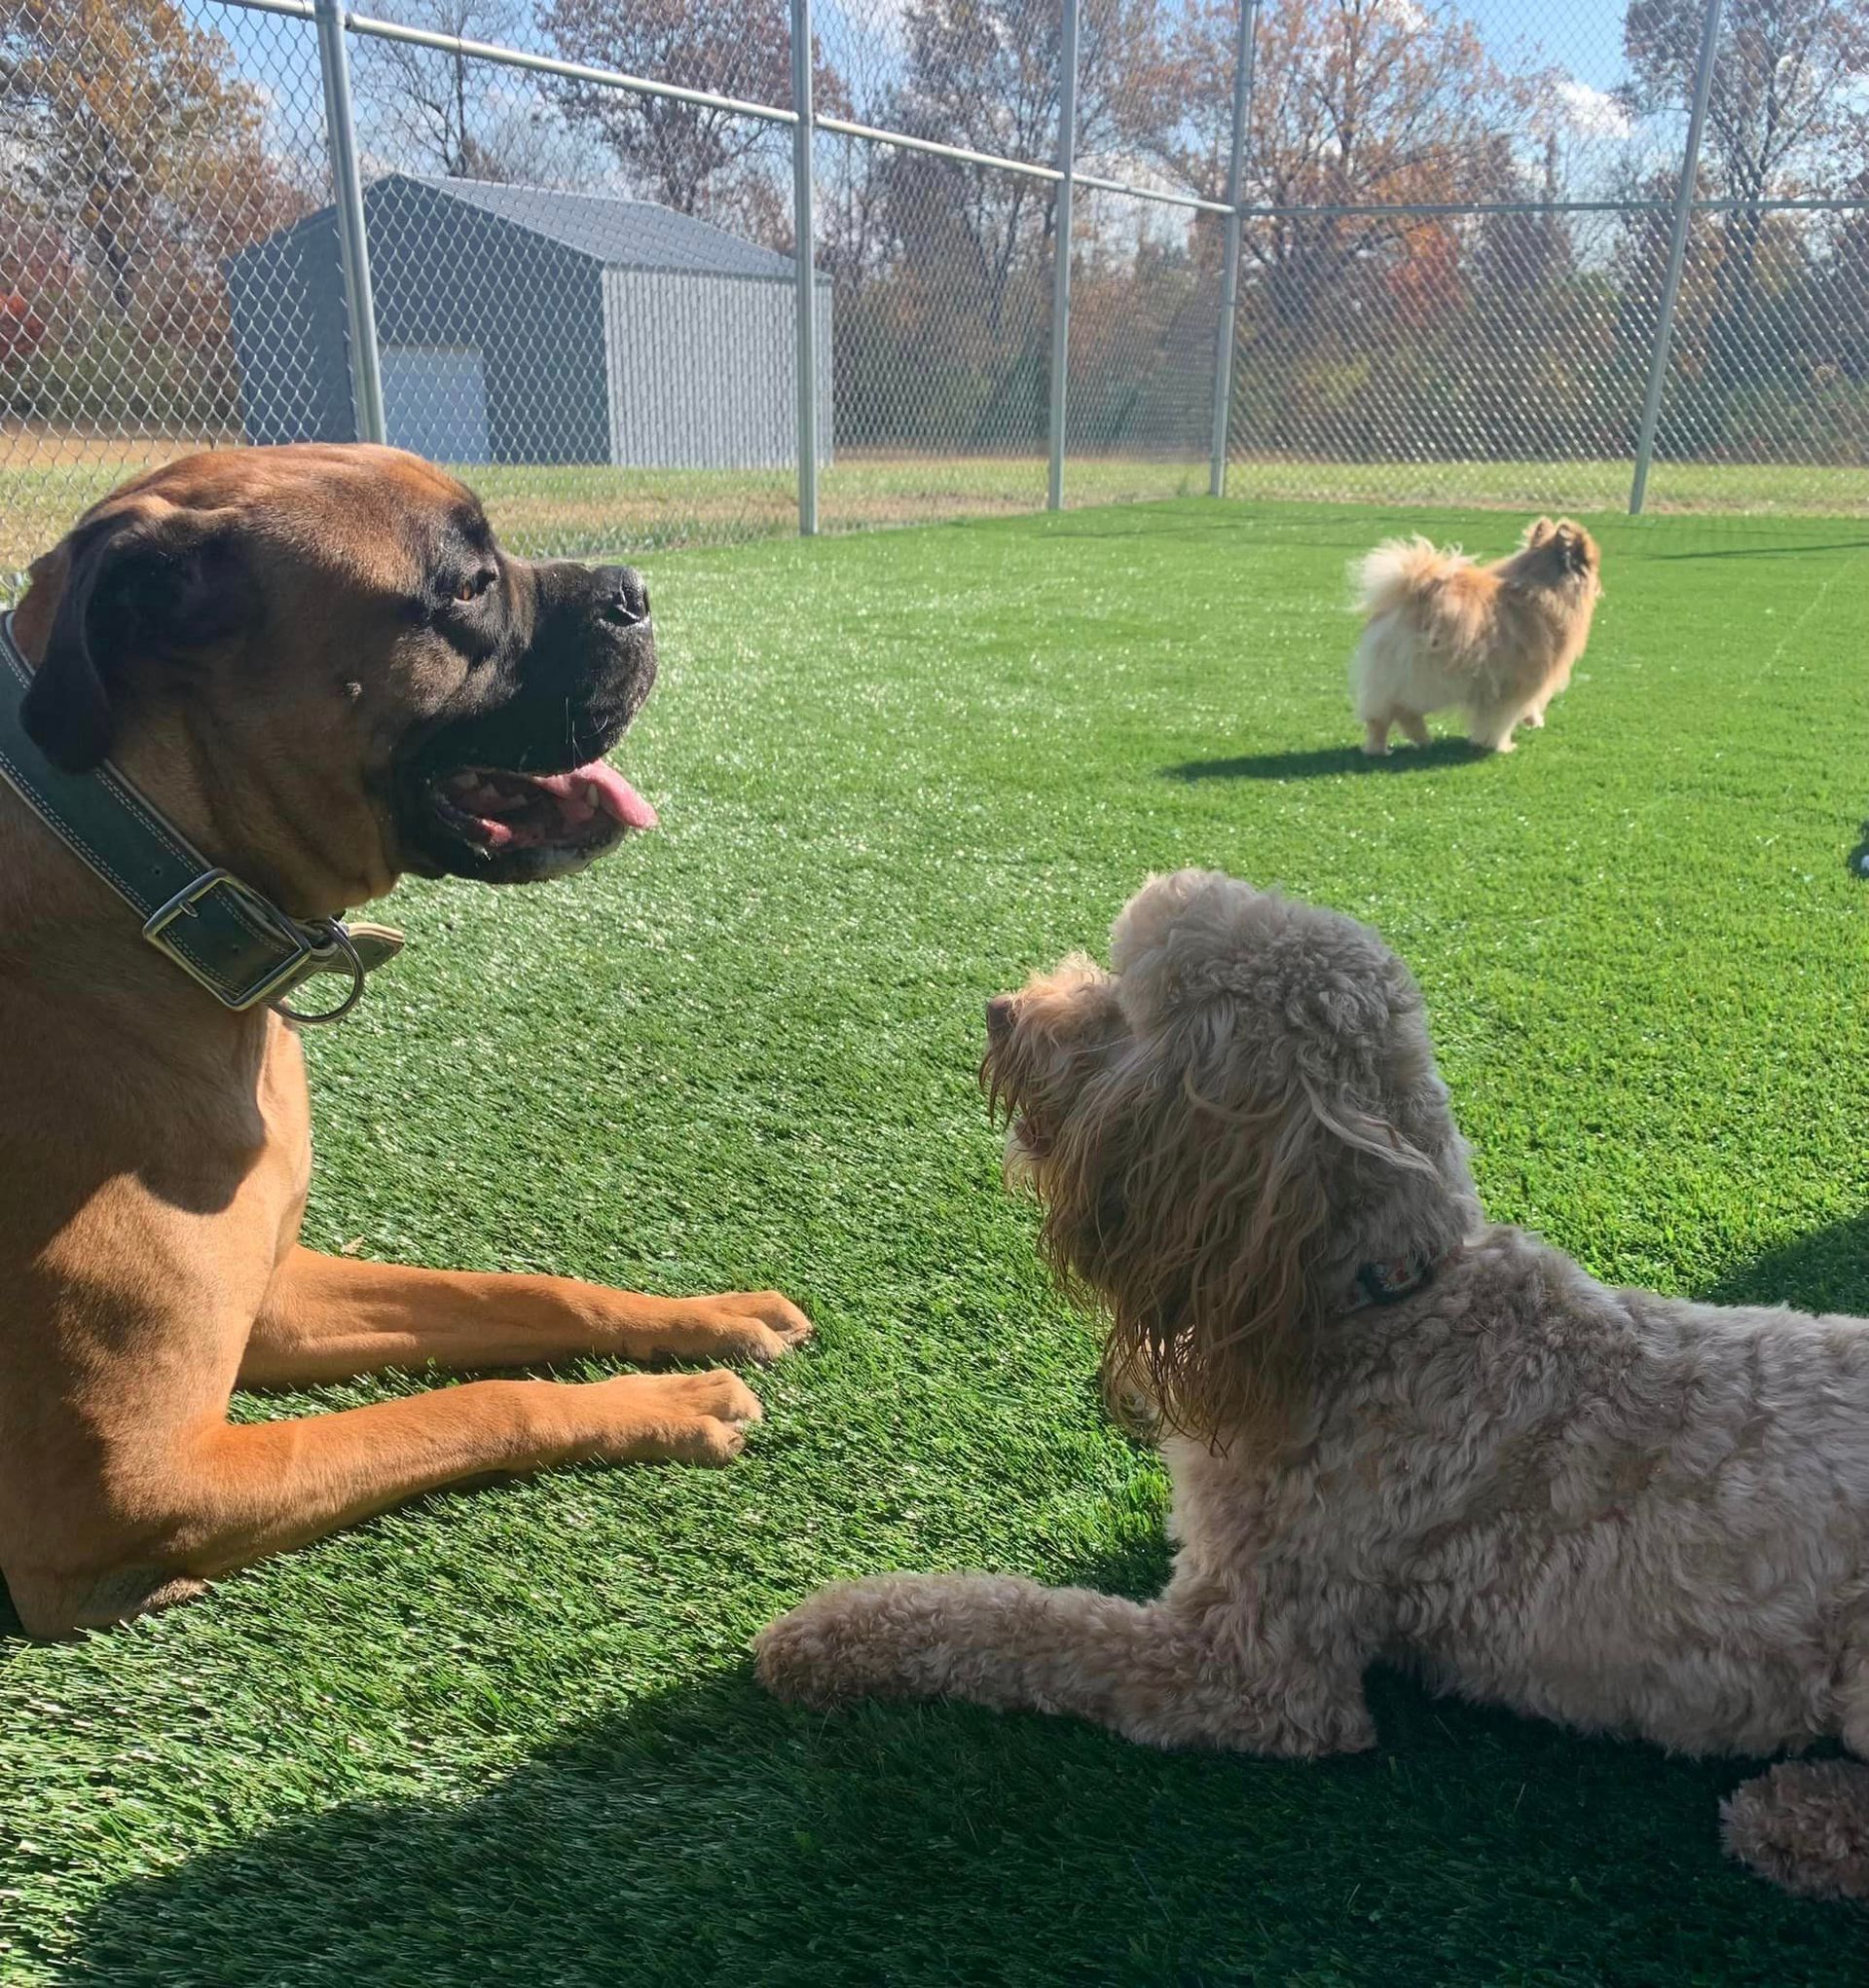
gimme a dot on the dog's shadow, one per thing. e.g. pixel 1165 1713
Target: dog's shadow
pixel 1826 1269
pixel 1323 761
pixel 707 1834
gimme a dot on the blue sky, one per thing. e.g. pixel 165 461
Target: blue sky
pixel 1585 39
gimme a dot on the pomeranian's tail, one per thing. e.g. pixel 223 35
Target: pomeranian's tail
pixel 1385 578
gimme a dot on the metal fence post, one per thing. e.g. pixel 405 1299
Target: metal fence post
pixel 804 237
pixel 1061 248
pixel 353 249
pixel 1243 55
pixel 1676 257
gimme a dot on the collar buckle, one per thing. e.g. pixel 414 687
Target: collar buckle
pixel 301 955
pixel 236 943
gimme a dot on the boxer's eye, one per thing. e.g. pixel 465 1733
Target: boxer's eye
pixel 472 587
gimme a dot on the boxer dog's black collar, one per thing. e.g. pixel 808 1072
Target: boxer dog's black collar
pixel 222 932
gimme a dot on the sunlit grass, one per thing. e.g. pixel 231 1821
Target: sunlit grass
pixel 511 1736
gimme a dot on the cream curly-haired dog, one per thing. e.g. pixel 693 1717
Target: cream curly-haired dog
pixel 1395 1431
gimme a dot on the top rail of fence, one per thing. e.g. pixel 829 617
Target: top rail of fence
pixel 371 27
pixel 769 113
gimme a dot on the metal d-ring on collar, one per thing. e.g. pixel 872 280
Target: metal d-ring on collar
pixel 341 943
pixel 227 937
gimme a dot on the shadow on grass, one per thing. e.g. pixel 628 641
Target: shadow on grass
pixel 1323 760
pixel 1825 1270
pixel 1767 551
pixel 708 1834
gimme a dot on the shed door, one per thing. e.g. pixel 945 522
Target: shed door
pixel 434 401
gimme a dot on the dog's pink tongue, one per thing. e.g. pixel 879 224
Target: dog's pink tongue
pixel 606 786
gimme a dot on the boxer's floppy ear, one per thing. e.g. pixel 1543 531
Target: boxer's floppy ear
pixel 145 582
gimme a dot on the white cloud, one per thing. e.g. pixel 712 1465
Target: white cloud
pixel 1590 112
pixel 1120 223
pixel 1132 168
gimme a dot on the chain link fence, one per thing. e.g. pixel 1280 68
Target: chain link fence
pixel 1325 251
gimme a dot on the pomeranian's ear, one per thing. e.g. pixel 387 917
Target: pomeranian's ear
pixel 1537 532
pixel 1576 549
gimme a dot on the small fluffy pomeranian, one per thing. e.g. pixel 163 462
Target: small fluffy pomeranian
pixel 1497 641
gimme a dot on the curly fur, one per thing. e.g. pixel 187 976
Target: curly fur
pixel 1630 1513
pixel 1498 641
pixel 1806 1824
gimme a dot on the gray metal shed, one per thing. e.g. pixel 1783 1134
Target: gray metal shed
pixel 519 324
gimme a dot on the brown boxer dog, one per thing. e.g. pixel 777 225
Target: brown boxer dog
pixel 317 667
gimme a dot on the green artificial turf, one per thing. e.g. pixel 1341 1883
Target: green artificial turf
pixel 511 1736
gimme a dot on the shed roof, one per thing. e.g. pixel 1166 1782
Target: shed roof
pixel 619 233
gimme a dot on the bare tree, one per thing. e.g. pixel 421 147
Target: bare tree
pixel 1785 112
pixel 985 74
pixel 690 157
pixel 441 110
pixel 1358 103
pixel 129 130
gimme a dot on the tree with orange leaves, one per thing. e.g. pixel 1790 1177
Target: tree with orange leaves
pixel 129 129
pixel 1356 103
pixel 137 163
